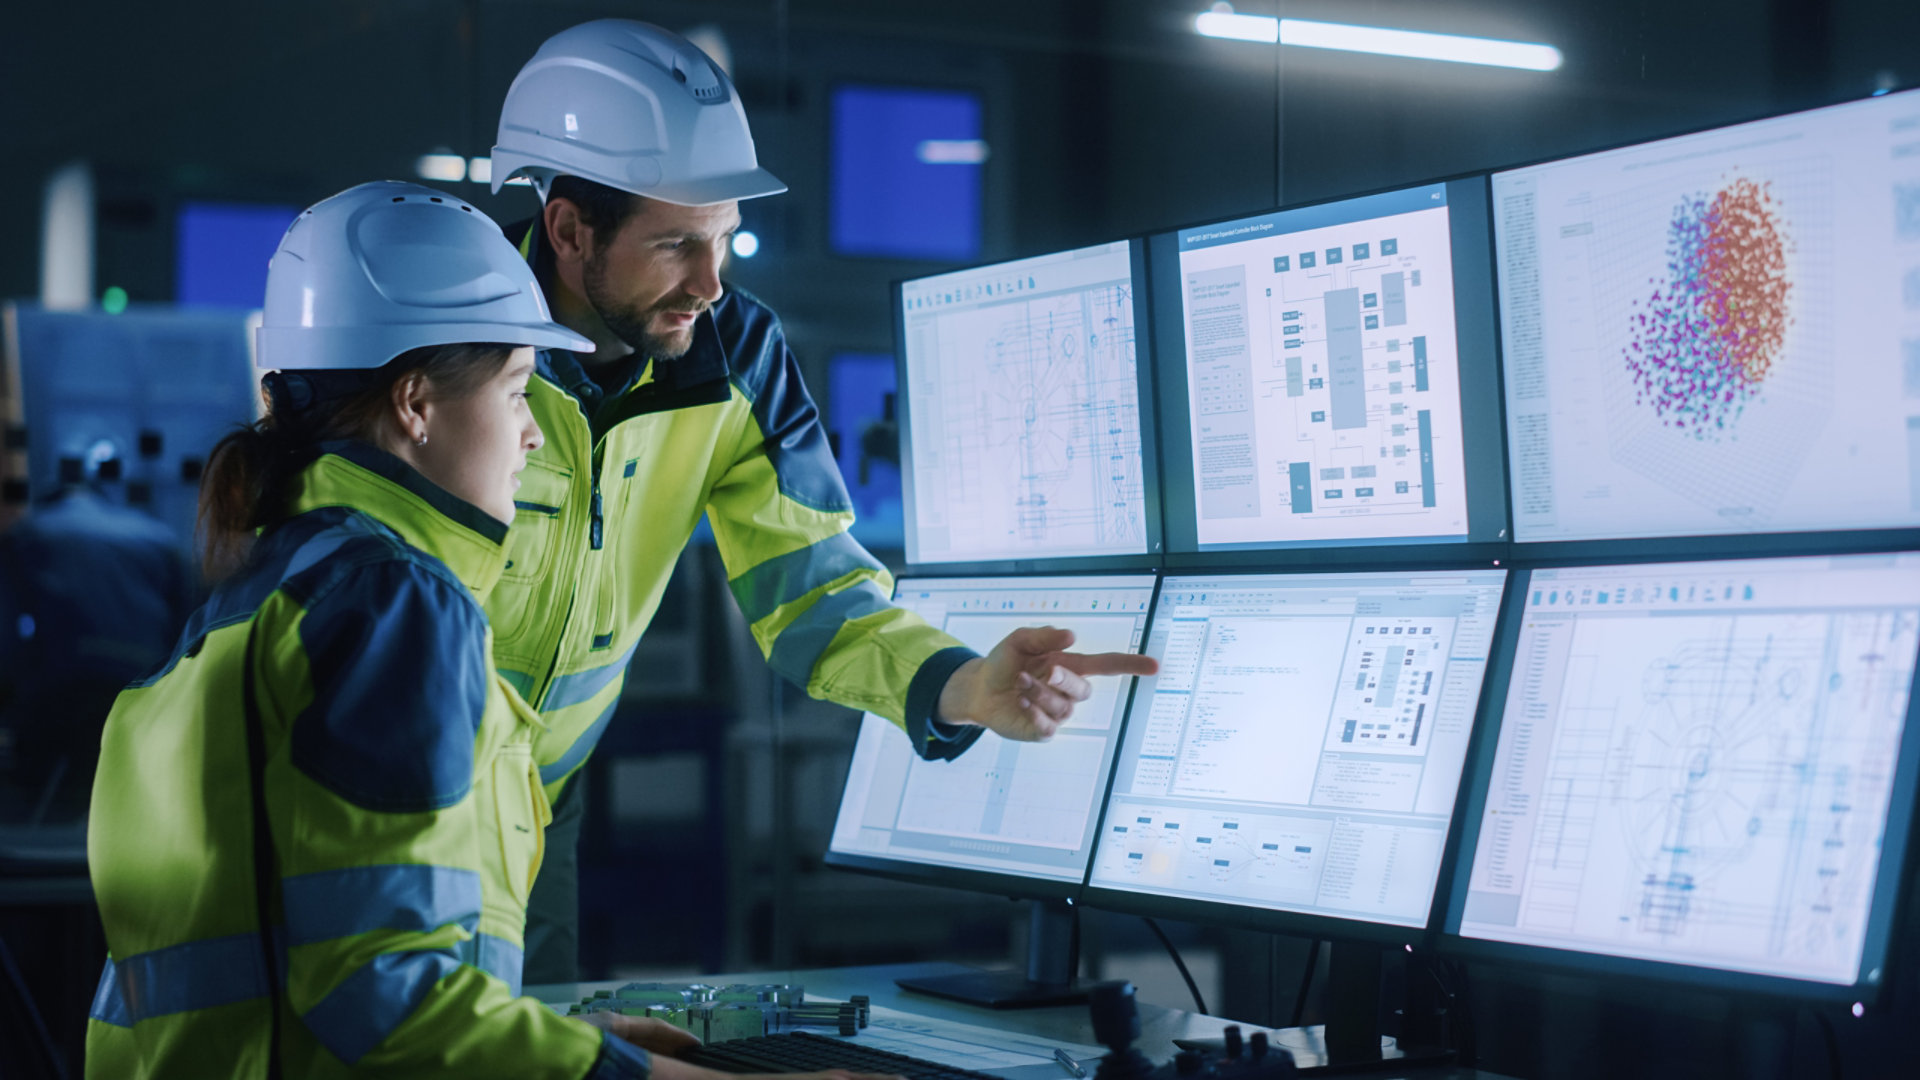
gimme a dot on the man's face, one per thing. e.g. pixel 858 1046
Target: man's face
pixel 658 272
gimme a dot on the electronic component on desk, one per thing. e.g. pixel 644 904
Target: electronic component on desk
pixel 723 1013
pixel 1116 1024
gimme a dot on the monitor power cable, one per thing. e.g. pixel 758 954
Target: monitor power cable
pixel 1306 984
pixel 1832 1040
pixel 1199 1003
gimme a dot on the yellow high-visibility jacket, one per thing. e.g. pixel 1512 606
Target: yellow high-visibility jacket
pixel 607 505
pixel 401 796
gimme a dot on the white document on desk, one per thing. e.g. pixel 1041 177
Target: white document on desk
pixel 964 1046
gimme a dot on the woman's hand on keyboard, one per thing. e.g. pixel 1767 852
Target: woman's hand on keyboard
pixel 681 1070
pixel 653 1036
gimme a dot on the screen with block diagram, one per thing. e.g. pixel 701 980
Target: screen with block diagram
pixel 1022 425
pixel 1700 764
pixel 1302 745
pixel 1331 363
pixel 1012 808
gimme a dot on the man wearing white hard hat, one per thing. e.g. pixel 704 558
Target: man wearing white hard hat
pixel 692 403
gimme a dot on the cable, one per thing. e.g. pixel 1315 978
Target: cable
pixel 1306 983
pixel 1199 1003
pixel 1833 1042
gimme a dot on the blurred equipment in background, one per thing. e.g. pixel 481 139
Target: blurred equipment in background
pixel 132 401
pixel 866 436
pixel 92 595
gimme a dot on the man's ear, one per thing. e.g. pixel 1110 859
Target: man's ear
pixel 567 233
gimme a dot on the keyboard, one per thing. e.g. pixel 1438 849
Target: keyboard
pixel 803 1051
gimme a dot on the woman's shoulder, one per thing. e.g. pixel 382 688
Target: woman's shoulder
pixel 316 553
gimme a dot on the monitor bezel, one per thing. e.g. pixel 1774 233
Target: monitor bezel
pixel 1895 858
pixel 1147 409
pixel 1686 546
pixel 1484 435
pixel 999 882
pixel 1299 923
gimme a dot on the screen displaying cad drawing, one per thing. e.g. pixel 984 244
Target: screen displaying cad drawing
pixel 1009 807
pixel 1717 333
pixel 1695 763
pixel 1302 745
pixel 1323 377
pixel 1023 407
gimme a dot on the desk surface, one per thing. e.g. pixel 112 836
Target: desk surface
pixel 1065 1023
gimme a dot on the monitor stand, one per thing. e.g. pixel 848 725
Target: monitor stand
pixel 1351 1040
pixel 1053 955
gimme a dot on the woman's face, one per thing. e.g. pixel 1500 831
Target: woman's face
pixel 477 443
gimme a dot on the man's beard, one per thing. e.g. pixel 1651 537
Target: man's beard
pixel 629 323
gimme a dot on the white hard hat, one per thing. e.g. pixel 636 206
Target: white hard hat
pixel 632 106
pixel 386 267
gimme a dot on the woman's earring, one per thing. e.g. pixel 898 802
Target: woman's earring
pixel 422 440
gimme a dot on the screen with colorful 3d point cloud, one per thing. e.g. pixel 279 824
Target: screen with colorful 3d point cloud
pixel 1717 333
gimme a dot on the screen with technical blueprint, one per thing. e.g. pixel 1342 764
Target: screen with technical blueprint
pixel 1019 808
pixel 1023 428
pixel 1700 763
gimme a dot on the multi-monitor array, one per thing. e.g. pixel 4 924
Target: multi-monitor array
pixel 1380 482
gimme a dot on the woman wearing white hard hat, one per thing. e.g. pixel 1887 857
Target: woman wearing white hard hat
pixel 315 828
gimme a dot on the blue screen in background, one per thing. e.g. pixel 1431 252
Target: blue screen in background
pixel 221 251
pixel 888 199
pixel 857 389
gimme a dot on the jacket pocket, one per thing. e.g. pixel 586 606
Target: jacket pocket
pixel 533 544
pixel 522 813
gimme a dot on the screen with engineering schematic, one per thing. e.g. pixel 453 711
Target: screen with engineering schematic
pixel 1703 764
pixel 1302 745
pixel 1026 809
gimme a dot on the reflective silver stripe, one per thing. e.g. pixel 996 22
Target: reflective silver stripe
pixel 582 685
pixel 786 578
pixel 799 646
pixel 180 978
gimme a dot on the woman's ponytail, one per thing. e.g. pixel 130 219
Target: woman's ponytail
pixel 250 475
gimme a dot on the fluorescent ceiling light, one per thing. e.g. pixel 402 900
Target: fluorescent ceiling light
pixel 745 244
pixel 446 168
pixel 480 170
pixel 1226 24
pixel 1222 22
pixel 952 152
pixel 1422 46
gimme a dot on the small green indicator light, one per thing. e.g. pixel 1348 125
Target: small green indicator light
pixel 114 300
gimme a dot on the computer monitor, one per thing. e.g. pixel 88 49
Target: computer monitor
pixel 1293 766
pixel 1328 381
pixel 1022 418
pixel 1716 334
pixel 1698 771
pixel 1004 816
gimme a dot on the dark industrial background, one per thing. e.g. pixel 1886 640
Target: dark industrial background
pixel 714 796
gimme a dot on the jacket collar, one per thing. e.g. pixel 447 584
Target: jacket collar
pixel 359 476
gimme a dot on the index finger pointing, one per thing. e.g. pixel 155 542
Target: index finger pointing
pixel 1111 663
